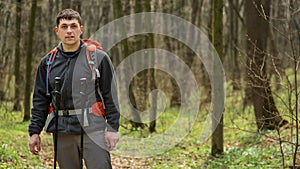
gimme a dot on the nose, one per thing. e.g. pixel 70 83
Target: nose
pixel 69 29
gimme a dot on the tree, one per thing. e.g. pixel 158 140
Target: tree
pixel 217 40
pixel 234 42
pixel 6 48
pixel 29 52
pixel 151 75
pixel 17 102
pixel 77 5
pixel 50 26
pixel 266 112
pixel 136 119
pixel 66 4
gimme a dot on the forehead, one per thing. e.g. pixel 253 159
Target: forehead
pixel 68 21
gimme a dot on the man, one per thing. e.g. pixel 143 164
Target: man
pixel 70 65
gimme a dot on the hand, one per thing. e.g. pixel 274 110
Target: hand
pixel 35 144
pixel 111 139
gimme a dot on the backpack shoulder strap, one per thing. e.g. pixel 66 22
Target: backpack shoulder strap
pixel 52 55
pixel 92 46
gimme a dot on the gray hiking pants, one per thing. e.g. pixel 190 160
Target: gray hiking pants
pixel 95 151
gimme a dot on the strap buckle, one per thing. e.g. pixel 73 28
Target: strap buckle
pixel 65 112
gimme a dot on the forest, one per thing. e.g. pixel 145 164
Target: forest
pixel 201 83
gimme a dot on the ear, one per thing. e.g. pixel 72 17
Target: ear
pixel 56 29
pixel 81 29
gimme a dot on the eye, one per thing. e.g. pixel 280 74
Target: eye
pixel 73 26
pixel 64 26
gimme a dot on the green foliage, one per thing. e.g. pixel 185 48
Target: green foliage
pixel 14 152
pixel 243 146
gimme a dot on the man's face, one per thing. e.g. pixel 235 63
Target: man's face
pixel 69 31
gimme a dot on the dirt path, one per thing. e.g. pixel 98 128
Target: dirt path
pixel 129 163
pixel 118 162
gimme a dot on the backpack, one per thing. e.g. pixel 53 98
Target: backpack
pixel 91 46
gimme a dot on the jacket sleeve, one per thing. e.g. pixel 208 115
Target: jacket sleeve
pixel 108 88
pixel 40 101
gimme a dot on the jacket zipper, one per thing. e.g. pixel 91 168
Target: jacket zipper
pixel 67 74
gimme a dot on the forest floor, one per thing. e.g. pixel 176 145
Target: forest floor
pixel 242 149
pixel 244 146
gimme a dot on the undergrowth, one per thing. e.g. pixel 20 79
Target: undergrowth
pixel 244 147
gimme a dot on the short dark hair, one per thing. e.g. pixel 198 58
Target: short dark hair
pixel 68 14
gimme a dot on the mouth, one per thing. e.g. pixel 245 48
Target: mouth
pixel 69 37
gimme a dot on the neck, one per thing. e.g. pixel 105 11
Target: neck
pixel 71 48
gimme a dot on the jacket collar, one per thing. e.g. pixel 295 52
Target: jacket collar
pixel 60 50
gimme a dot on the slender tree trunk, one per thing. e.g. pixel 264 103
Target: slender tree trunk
pixel 266 112
pixel 57 5
pixel 234 33
pixel 293 26
pixel 167 7
pixel 77 5
pixel 17 100
pixel 5 53
pixel 50 27
pixel 140 81
pixel 29 52
pixel 66 4
pixel 151 74
pixel 217 40
pixel 135 122
pixel 204 75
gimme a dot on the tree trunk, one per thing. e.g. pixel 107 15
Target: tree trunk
pixel 167 7
pixel 5 53
pixel 29 52
pixel 66 4
pixel 17 100
pixel 140 81
pixel 151 74
pixel 204 76
pixel 234 34
pixel 217 40
pixel 50 26
pixel 57 2
pixel 266 112
pixel 138 85
pixel 135 119
pixel 77 5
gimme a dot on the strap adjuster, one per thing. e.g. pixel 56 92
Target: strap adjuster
pixel 65 112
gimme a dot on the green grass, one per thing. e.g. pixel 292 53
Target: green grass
pixel 242 149
pixel 243 146
pixel 14 151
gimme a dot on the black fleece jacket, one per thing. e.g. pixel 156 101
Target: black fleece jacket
pixel 71 67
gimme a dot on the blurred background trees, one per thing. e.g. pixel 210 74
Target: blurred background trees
pixel 261 48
